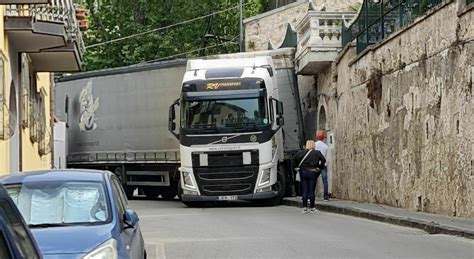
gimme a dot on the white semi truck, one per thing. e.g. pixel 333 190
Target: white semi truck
pixel 230 129
pixel 116 119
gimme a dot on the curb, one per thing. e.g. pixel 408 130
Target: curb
pixel 428 226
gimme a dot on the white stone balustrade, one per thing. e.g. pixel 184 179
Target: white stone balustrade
pixel 319 39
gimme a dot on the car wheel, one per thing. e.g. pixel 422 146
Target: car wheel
pixel 151 192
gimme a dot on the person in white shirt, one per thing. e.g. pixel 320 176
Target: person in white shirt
pixel 323 148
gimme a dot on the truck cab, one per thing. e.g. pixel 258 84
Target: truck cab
pixel 229 131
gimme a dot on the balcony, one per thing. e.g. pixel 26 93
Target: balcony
pixel 7 2
pixel 49 33
pixel 319 40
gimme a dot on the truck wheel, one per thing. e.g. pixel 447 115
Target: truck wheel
pixel 170 192
pixel 279 186
pixel 129 191
pixel 151 192
pixel 180 190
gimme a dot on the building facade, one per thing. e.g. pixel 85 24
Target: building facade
pixel 37 38
pixel 393 87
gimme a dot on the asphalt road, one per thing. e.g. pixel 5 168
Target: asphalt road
pixel 242 230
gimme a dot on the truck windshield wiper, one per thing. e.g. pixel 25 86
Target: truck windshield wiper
pixel 243 125
pixel 49 225
pixel 206 127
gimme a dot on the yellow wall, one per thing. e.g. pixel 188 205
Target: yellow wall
pixel 31 159
pixel 4 159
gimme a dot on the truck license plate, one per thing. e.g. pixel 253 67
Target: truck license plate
pixel 228 198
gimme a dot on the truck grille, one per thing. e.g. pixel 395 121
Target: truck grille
pixel 214 181
pixel 227 158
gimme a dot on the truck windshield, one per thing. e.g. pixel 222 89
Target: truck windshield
pixel 228 115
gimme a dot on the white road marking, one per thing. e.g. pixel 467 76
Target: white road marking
pixel 170 215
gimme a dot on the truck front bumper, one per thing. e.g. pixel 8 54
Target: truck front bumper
pixel 254 196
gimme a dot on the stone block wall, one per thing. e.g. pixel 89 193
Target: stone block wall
pixel 271 26
pixel 402 115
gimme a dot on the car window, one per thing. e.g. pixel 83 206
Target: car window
pixel 118 201
pixel 23 239
pixel 121 192
pixel 60 203
pixel 4 251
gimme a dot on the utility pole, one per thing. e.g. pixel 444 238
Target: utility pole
pixel 241 40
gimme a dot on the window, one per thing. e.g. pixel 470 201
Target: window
pixel 231 114
pixel 118 197
pixel 61 203
pixel 2 99
pixel 21 235
pixel 43 132
pixel 25 90
pixel 122 195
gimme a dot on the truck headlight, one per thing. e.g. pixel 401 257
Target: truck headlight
pixel 265 179
pixel 188 180
pixel 107 250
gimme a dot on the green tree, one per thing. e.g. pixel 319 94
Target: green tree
pixel 112 19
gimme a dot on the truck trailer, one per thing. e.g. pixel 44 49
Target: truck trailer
pixel 117 120
pixel 231 123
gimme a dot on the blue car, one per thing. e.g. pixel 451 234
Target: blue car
pixel 77 213
pixel 16 241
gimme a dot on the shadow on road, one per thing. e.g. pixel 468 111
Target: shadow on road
pixel 217 204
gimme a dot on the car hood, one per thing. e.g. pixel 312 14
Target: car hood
pixel 71 239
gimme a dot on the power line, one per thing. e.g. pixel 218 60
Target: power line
pixel 191 51
pixel 161 28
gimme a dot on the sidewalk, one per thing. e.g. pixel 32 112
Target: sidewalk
pixel 431 223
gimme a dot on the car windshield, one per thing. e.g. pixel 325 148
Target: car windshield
pixel 45 204
pixel 236 114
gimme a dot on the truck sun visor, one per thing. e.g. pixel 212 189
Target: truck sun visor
pixel 224 73
pixel 223 84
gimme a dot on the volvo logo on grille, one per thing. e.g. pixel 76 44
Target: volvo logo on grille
pixel 224 139
pixel 253 138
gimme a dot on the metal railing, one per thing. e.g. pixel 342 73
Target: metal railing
pixel 322 30
pixel 58 11
pixel 378 19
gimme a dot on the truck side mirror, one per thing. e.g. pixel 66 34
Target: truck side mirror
pixel 279 108
pixel 280 121
pixel 172 118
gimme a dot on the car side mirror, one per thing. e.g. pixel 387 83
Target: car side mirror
pixel 130 218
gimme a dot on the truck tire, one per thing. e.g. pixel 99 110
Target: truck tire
pixel 151 192
pixel 180 190
pixel 128 191
pixel 168 193
pixel 279 186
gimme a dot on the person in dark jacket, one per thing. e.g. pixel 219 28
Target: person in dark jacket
pixel 310 163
